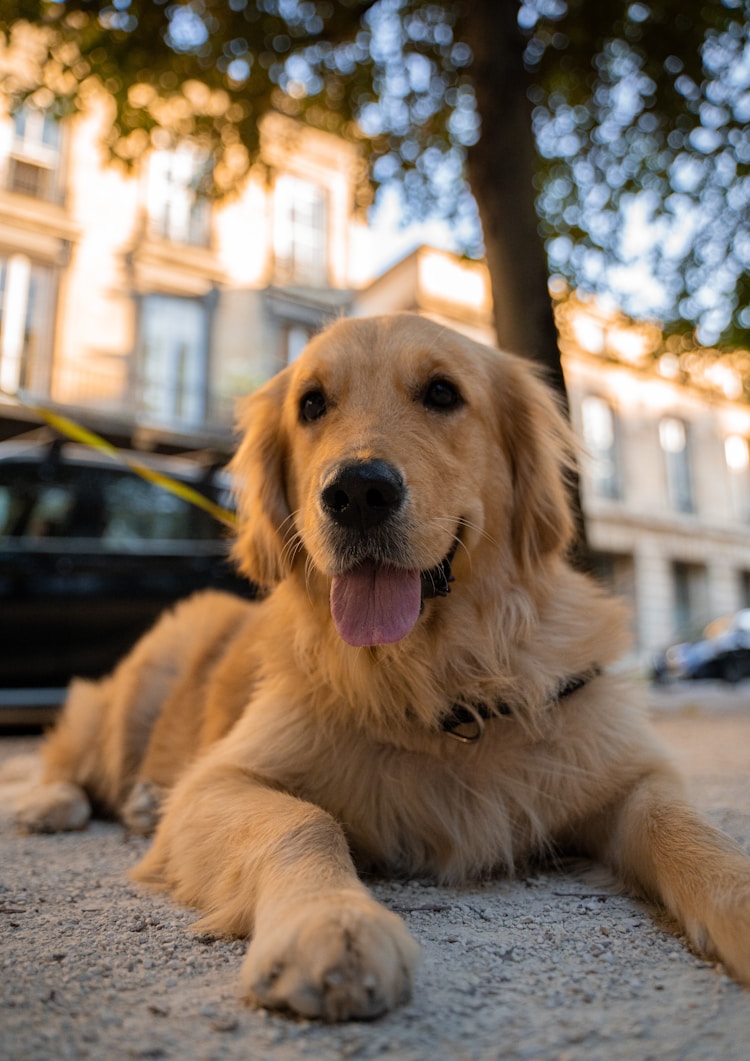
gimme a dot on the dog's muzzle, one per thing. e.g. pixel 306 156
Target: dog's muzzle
pixel 376 599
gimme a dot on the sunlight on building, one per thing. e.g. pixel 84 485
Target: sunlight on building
pixel 589 333
pixel 737 453
pixel 447 278
pixel 629 343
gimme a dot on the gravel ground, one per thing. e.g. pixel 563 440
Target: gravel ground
pixel 548 967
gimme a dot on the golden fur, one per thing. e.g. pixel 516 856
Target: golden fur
pixel 286 754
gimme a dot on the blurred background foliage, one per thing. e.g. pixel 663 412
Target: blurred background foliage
pixel 639 112
pixel 642 120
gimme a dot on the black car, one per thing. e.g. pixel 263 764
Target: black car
pixel 90 554
pixel 722 652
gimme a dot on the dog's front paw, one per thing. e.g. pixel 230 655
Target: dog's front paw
pixel 59 806
pixel 339 956
pixel 142 809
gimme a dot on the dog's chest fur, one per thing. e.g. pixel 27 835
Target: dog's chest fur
pixel 477 809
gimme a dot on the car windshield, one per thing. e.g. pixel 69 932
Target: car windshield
pixel 111 505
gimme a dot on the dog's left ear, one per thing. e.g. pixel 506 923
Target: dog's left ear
pixel 258 469
pixel 542 451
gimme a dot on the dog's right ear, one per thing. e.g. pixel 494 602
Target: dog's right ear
pixel 261 548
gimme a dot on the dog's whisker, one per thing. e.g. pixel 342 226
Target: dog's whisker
pixel 309 569
pixel 481 531
pixel 289 519
pixel 462 521
pixel 293 543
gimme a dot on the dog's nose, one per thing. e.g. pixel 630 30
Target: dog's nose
pixel 361 494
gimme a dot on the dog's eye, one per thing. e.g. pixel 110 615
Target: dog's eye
pixel 312 406
pixel 441 395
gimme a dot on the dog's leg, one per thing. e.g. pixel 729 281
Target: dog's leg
pixel 58 801
pixel 258 860
pixel 171 745
pixel 202 706
pixel 658 843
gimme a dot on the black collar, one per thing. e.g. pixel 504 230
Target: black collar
pixel 465 722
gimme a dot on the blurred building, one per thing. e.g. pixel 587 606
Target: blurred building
pixel 144 310
pixel 129 297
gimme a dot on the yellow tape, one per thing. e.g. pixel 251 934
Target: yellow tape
pixel 77 433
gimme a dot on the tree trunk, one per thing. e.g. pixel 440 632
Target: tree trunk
pixel 501 168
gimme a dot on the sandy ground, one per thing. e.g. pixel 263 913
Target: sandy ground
pixel 549 967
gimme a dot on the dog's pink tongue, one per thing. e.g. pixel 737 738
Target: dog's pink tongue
pixel 375 605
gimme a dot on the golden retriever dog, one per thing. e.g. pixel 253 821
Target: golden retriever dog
pixel 427 688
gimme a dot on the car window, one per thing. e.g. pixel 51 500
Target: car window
pixel 143 510
pixel 39 501
pixel 34 510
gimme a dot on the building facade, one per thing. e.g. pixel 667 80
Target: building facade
pixel 144 310
pixel 131 298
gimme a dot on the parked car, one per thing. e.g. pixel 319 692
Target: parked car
pixel 723 652
pixel 90 554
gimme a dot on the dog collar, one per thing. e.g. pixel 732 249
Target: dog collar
pixel 465 722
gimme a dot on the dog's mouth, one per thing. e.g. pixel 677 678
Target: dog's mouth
pixel 374 604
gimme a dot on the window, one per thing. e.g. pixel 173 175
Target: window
pixel 176 209
pixel 295 338
pixel 675 443
pixel 35 155
pixel 601 435
pixel 737 456
pixel 26 290
pixel 617 572
pixel 173 362
pixel 690 583
pixel 744 580
pixel 300 238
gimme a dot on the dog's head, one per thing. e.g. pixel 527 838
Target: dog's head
pixel 391 442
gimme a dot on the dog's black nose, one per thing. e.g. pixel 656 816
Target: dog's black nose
pixel 361 494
